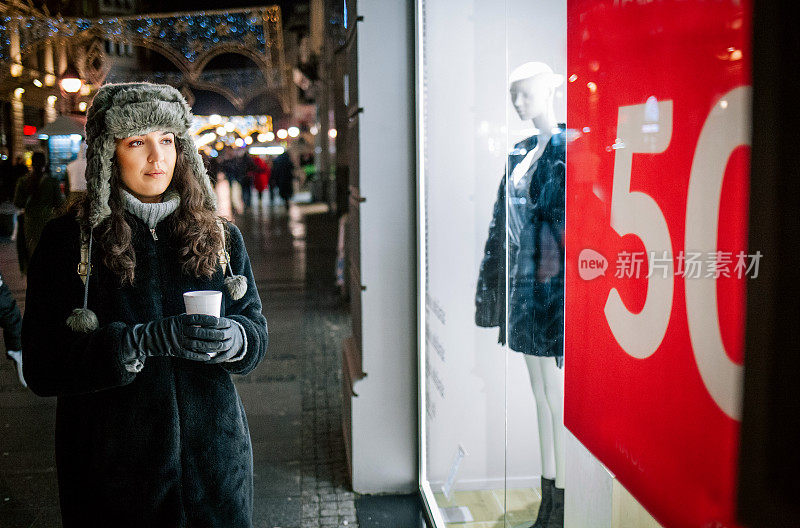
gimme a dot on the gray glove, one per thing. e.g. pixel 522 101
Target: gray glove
pixel 217 335
pixel 167 337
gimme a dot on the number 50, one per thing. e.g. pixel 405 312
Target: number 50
pixel 647 128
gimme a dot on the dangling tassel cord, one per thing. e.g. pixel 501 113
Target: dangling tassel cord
pixel 83 319
pixel 235 284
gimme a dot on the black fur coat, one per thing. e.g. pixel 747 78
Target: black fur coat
pixel 534 311
pixel 168 446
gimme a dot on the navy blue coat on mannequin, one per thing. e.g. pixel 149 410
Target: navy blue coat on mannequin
pixel 533 238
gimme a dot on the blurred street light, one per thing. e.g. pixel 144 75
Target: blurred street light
pixel 70 81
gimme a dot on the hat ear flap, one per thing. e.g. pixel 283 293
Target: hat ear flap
pixel 99 163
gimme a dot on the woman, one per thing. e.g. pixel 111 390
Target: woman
pixel 150 430
pixel 40 196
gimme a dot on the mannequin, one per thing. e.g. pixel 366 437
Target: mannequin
pixel 529 219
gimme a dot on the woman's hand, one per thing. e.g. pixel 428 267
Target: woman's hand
pixel 195 337
pixel 221 338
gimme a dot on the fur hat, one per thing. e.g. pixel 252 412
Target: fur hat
pixel 123 110
pixel 119 111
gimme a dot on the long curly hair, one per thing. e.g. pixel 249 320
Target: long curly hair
pixel 194 224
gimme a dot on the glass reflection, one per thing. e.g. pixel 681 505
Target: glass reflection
pixel 523 258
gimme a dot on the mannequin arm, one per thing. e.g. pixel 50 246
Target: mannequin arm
pixel 491 278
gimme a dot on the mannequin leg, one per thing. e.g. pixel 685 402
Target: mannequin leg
pixel 553 381
pixel 554 391
pixel 544 415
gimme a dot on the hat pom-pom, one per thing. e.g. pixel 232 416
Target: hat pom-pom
pixel 237 286
pixel 82 320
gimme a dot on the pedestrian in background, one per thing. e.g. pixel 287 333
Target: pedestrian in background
pixel 11 322
pixel 282 178
pixel 7 210
pixel 234 171
pixel 19 171
pixel 8 180
pixel 246 168
pixel 260 175
pixel 40 197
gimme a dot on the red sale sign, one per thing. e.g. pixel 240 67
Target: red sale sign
pixel 656 250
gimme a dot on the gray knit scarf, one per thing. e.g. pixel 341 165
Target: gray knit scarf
pixel 151 213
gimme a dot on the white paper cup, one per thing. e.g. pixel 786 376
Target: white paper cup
pixel 203 302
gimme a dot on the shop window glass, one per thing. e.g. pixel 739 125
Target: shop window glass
pixel 657 193
pixel 492 213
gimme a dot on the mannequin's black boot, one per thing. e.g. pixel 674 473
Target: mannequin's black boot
pixel 556 519
pixel 546 505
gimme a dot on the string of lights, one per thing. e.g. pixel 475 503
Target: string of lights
pixel 191 35
pixel 189 40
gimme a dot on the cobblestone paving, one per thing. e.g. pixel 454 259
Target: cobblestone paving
pixel 326 501
pixel 307 327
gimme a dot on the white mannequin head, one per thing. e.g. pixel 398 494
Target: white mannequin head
pixel 532 86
